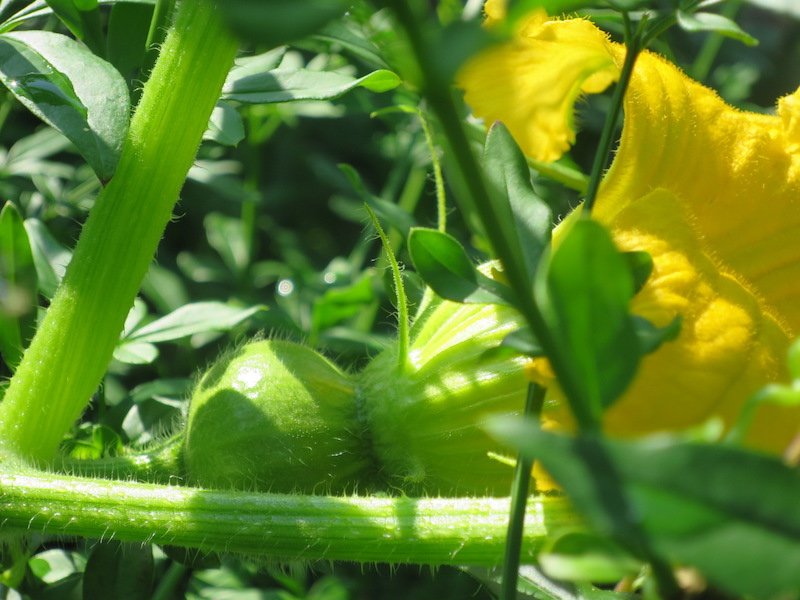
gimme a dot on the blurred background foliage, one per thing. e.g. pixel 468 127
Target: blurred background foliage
pixel 271 231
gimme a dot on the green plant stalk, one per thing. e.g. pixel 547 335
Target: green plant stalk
pixel 436 164
pixel 632 50
pixel 519 493
pixel 364 529
pixel 71 350
pixel 162 11
pixel 400 293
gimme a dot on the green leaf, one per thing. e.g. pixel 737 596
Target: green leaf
pixel 345 34
pixel 287 85
pixel 641 265
pixel 10 7
pixel 340 303
pixel 583 292
pixel 788 7
pixel 274 22
pixel 82 18
pixel 651 337
pixel 49 257
pixel 199 317
pixel 583 556
pixel 728 512
pixel 525 220
pixel 128 26
pixel 135 353
pixel 704 21
pixel 118 570
pixel 225 125
pixel 18 286
pixel 68 87
pixel 522 340
pixel 226 235
pixel 68 12
pixel 170 392
pixel 54 565
pixel 92 441
pixel 444 265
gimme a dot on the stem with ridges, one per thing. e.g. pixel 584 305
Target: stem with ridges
pixel 73 346
pixel 364 529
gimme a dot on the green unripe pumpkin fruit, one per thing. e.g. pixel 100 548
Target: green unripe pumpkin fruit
pixel 275 415
pixel 278 416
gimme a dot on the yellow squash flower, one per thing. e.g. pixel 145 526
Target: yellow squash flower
pixel 711 192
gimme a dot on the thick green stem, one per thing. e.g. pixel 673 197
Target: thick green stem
pixel 364 529
pixel 70 352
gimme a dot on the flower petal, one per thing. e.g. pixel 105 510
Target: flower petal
pixel 532 82
pixel 713 193
pixel 736 174
pixel 729 345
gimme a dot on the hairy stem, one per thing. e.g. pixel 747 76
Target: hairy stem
pixel 71 350
pixel 160 464
pixel 364 529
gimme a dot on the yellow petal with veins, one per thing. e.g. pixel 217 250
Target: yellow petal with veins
pixel 711 192
pixel 552 62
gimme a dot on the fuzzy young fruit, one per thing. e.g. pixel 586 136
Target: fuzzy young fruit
pixel 426 421
pixel 275 415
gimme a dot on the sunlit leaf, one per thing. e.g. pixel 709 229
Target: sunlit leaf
pixel 68 87
pixel 49 257
pixel 287 85
pixel 524 218
pixel 444 265
pixel 712 22
pixel 199 317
